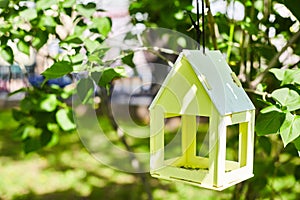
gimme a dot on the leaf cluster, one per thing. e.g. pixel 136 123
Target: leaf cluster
pixel 43 115
pixel 282 115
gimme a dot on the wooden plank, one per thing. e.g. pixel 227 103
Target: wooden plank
pixel 243 143
pixel 188 144
pixel 156 138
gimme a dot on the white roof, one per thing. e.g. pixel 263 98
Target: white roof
pixel 216 77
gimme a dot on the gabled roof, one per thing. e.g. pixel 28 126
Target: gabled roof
pixel 218 80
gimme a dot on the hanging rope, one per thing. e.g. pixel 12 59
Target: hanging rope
pixel 203 27
pixel 196 25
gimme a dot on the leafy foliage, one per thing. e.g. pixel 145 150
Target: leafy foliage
pixel 58 69
pixel 43 113
pixel 43 116
pixel 282 115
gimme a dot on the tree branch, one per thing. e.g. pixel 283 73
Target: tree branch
pixel 274 60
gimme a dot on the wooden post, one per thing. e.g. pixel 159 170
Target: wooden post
pixel 243 143
pixel 217 148
pixel 250 140
pixel 188 143
pixel 156 138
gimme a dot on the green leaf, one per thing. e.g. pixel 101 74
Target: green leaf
pixel 40 38
pixel 128 60
pixel 267 51
pixel 18 133
pixel 23 47
pixel 46 21
pixel 53 127
pixel 290 129
pixel 109 74
pixel 7 54
pixel 4 3
pixel 85 89
pixel 58 69
pixel 77 58
pixel 265 144
pixel 86 10
pixel 102 24
pixel 287 97
pixel 94 58
pixel 54 139
pixel 279 73
pixel 68 3
pixel 64 120
pixel 291 76
pixel 17 114
pixel 287 76
pixel 28 14
pixel 45 4
pixel 270 109
pixel 28 104
pixel 73 39
pixel 91 45
pixel 249 26
pixel 32 144
pixel 45 138
pixel 297 144
pixel 269 123
pixel 49 103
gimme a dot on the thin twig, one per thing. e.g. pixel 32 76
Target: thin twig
pixel 263 94
pixel 274 60
pixel 153 50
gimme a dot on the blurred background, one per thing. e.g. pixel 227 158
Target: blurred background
pixel 112 56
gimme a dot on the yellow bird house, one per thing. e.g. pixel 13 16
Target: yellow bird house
pixel 202 85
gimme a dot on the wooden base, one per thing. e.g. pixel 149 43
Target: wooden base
pixel 199 184
pixel 198 174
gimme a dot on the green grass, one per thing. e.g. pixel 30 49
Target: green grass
pixel 68 171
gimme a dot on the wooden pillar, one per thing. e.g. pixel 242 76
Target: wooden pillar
pixel 243 143
pixel 250 143
pixel 188 142
pixel 156 138
pixel 217 149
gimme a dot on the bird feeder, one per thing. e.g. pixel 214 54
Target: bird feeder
pixel 202 85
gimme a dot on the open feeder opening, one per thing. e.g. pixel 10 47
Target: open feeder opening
pixel 186 144
pixel 178 149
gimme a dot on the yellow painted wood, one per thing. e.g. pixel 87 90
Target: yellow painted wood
pixel 156 138
pixel 213 147
pixel 240 117
pixel 238 174
pixel 197 177
pixel 169 115
pixel 243 143
pixel 220 154
pixel 170 172
pixel 250 141
pixel 236 79
pixel 188 141
pixel 182 92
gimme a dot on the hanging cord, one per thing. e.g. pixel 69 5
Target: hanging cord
pixel 196 25
pixel 203 27
pixel 198 32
